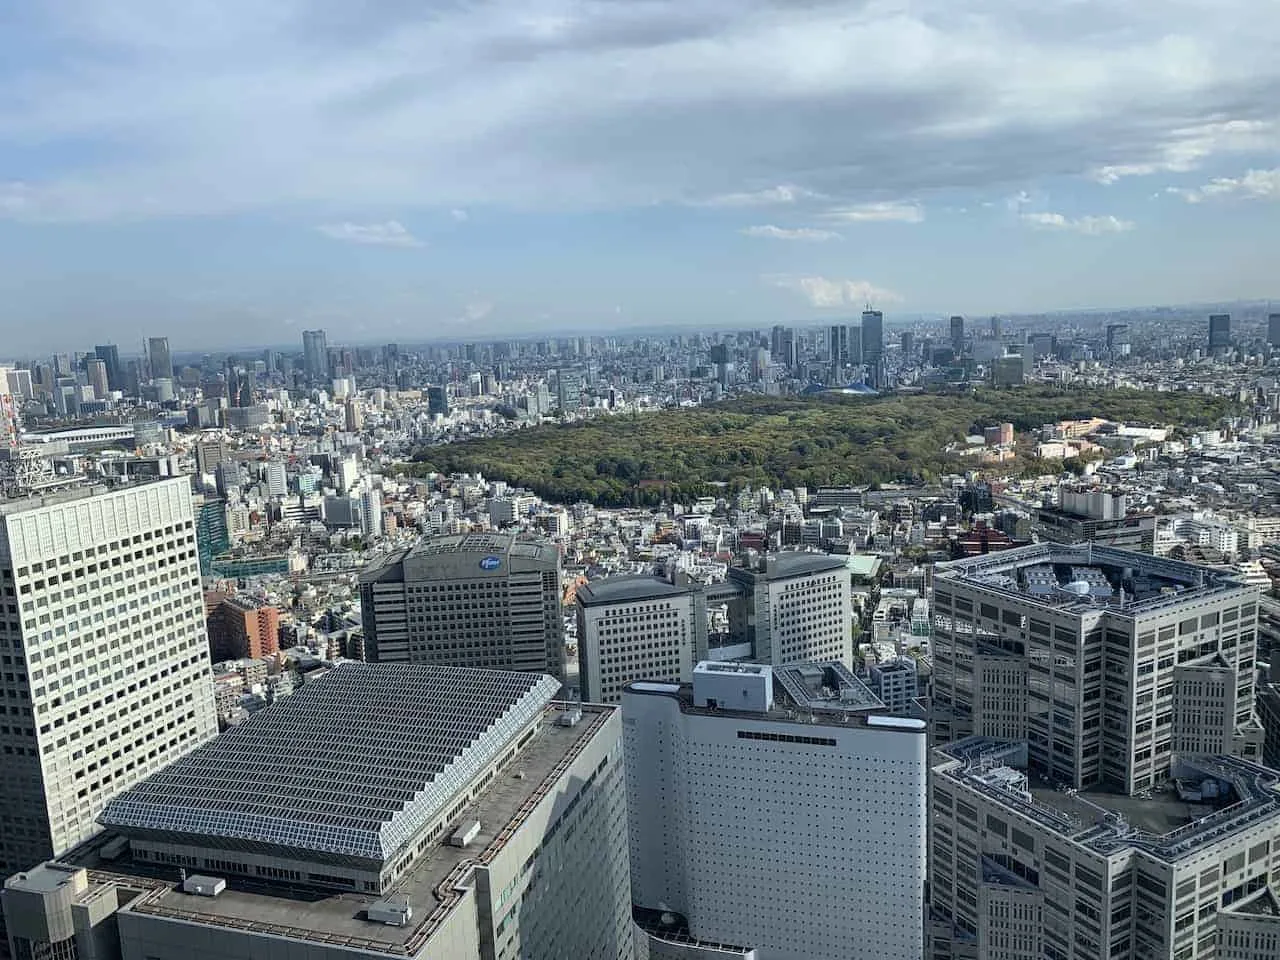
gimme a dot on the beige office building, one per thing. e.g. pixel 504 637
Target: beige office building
pixel 105 675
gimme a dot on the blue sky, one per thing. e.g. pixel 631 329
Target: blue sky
pixel 228 172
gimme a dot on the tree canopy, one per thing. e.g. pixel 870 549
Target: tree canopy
pixel 817 441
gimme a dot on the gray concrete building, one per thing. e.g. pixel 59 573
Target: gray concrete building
pixel 1107 662
pixel 791 607
pixel 384 810
pixel 638 628
pixel 1021 869
pixel 105 673
pixel 475 600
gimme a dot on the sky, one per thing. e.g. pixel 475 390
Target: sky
pixel 229 172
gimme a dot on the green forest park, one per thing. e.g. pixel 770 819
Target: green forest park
pixel 830 439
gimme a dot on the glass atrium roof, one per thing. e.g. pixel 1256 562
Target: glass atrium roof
pixel 352 764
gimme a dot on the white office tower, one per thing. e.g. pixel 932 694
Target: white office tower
pixel 106 662
pixel 774 815
pixel 1023 871
pixel 634 628
pixel 1108 662
pixel 384 810
pixel 791 607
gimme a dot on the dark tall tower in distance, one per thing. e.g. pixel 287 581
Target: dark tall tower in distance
pixel 1273 329
pixel 315 354
pixel 1219 333
pixel 872 336
pixel 161 361
pixel 110 355
pixel 957 335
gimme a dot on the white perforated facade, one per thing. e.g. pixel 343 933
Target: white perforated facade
pixel 105 659
pixel 799 840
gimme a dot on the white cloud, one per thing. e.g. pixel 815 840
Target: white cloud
pixel 153 108
pixel 1252 185
pixel 1185 148
pixel 389 234
pixel 784 233
pixel 1090 226
pixel 767 197
pixel 881 212
pixel 823 292
pixel 459 215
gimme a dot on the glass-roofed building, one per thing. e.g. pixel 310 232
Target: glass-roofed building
pixel 386 809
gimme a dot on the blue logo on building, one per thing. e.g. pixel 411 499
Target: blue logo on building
pixel 490 563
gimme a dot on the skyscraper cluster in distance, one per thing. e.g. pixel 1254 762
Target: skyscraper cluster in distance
pixel 275 681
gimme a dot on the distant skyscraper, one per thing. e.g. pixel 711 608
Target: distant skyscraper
pixel 116 676
pixel 838 346
pixel 568 390
pixel 110 355
pixel 1219 333
pixel 1273 329
pixel 872 338
pixel 908 344
pixel 161 361
pixel 957 335
pixel 772 817
pixel 315 354
pixel 997 328
pixel 1118 340
pixel 438 400
pixel 96 372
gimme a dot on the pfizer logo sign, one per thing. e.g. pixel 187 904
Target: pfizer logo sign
pixel 490 563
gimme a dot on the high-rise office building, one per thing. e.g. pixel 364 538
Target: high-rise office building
pixel 1273 329
pixel 790 607
pixel 1020 868
pixel 109 354
pixel 957 335
pixel 476 600
pixel 637 628
pixel 106 662
pixel 159 358
pixel 96 373
pixel 1118 340
pixel 315 355
pixel 438 400
pixel 838 346
pixel 872 337
pixel 381 811
pixel 774 814
pixel 1219 333
pixel 568 390
pixel 1108 662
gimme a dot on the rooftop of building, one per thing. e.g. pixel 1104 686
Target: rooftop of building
pixel 806 694
pixel 611 590
pixel 785 564
pixel 365 757
pixel 1087 576
pixel 456 546
pixel 339 919
pixel 1208 798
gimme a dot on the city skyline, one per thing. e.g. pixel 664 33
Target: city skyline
pixel 504 169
